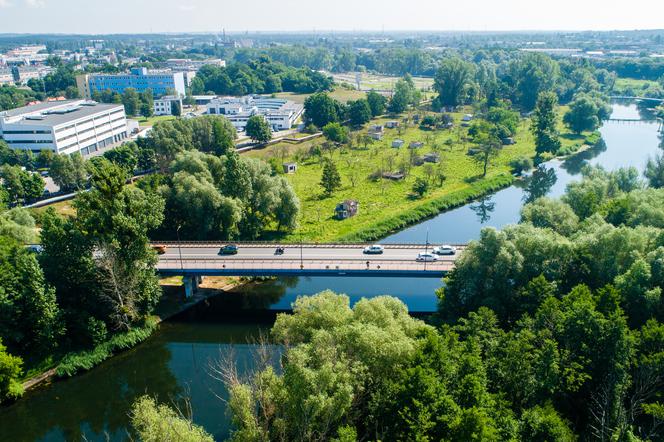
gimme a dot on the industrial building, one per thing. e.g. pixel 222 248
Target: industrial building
pixel 64 127
pixel 161 82
pixel 281 114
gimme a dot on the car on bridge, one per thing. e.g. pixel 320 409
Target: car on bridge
pixel 375 249
pixel 426 257
pixel 160 249
pixel 228 249
pixel 444 250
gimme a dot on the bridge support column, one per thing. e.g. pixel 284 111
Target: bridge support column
pixel 191 285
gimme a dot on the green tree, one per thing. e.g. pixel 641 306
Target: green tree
pixel 359 112
pixel 532 75
pixel 131 101
pixel 377 103
pixel 583 115
pixel 420 187
pixel 69 172
pixel 321 110
pixel 146 107
pixel 154 422
pixel 405 94
pixel 654 171
pixel 336 133
pixel 125 156
pixel 330 180
pixel 21 185
pixel 544 124
pixel 451 80
pixel 258 129
pixel 10 372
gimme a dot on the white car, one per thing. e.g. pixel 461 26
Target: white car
pixel 426 257
pixel 444 250
pixel 373 250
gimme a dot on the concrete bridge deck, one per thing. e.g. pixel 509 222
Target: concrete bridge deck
pixel 398 260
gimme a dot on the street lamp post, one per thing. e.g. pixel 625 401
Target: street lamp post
pixel 177 232
pixel 426 248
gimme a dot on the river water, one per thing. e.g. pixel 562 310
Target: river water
pixel 176 362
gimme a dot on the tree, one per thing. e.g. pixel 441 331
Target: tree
pixel 29 314
pixel 359 112
pixel 488 148
pixel 287 208
pixel 336 133
pixel 10 372
pixel 377 103
pixel 532 75
pixel 544 124
pixel 21 185
pixel 69 172
pixel 124 155
pixel 321 110
pixel 420 187
pixel 654 171
pixel 146 107
pixel 131 101
pixel 450 81
pixel 154 422
pixel 404 95
pixel 330 180
pixel 258 129
pixel 585 113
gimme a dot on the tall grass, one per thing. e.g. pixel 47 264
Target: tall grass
pixel 72 363
pixel 429 209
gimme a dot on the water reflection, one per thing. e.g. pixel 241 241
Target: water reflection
pixel 539 183
pixel 483 209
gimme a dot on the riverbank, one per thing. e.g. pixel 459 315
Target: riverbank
pixel 73 363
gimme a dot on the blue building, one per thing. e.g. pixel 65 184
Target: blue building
pixel 162 82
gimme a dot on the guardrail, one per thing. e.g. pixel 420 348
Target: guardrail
pixel 266 244
pixel 307 265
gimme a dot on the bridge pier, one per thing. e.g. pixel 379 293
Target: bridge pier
pixel 191 284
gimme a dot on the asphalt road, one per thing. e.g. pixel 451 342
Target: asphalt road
pixel 307 253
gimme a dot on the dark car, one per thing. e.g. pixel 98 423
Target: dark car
pixel 228 249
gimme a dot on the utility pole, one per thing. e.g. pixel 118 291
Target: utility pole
pixel 426 248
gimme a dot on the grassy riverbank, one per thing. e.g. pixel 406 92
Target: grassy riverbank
pixel 387 205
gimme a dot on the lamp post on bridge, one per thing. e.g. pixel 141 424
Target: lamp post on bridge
pixel 426 248
pixel 177 232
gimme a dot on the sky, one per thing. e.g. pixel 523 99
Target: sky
pixel 152 16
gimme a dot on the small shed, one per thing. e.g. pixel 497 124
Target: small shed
pixel 392 124
pixel 290 167
pixel 508 141
pixel 376 128
pixel 347 209
pixel 431 157
pixel 397 143
pixel 415 144
pixel 376 135
pixel 467 117
pixel 395 176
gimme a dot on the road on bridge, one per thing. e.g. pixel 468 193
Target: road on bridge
pixel 261 259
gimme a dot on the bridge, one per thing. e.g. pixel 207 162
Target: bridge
pixel 196 259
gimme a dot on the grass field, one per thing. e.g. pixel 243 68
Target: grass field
pixel 378 82
pixel 64 208
pixel 142 121
pixel 339 93
pixel 382 200
pixel 629 86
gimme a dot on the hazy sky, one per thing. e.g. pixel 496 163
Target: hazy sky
pixel 138 16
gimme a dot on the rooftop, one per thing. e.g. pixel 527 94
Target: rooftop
pixel 57 112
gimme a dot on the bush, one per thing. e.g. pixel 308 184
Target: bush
pixel 521 164
pixel 85 360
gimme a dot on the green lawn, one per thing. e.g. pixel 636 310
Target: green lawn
pixel 339 93
pixel 627 86
pixel 152 120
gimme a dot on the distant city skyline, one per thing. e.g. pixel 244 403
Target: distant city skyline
pixel 158 16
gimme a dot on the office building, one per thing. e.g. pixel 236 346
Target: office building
pixel 168 105
pixel 161 82
pixel 64 127
pixel 281 114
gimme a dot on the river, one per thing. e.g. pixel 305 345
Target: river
pixel 176 361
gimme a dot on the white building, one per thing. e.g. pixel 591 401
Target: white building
pixel 6 76
pixel 281 114
pixel 186 64
pixel 64 127
pixel 166 104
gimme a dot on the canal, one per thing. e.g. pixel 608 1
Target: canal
pixel 176 362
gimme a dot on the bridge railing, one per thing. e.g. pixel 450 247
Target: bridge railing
pixel 295 245
pixel 306 264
